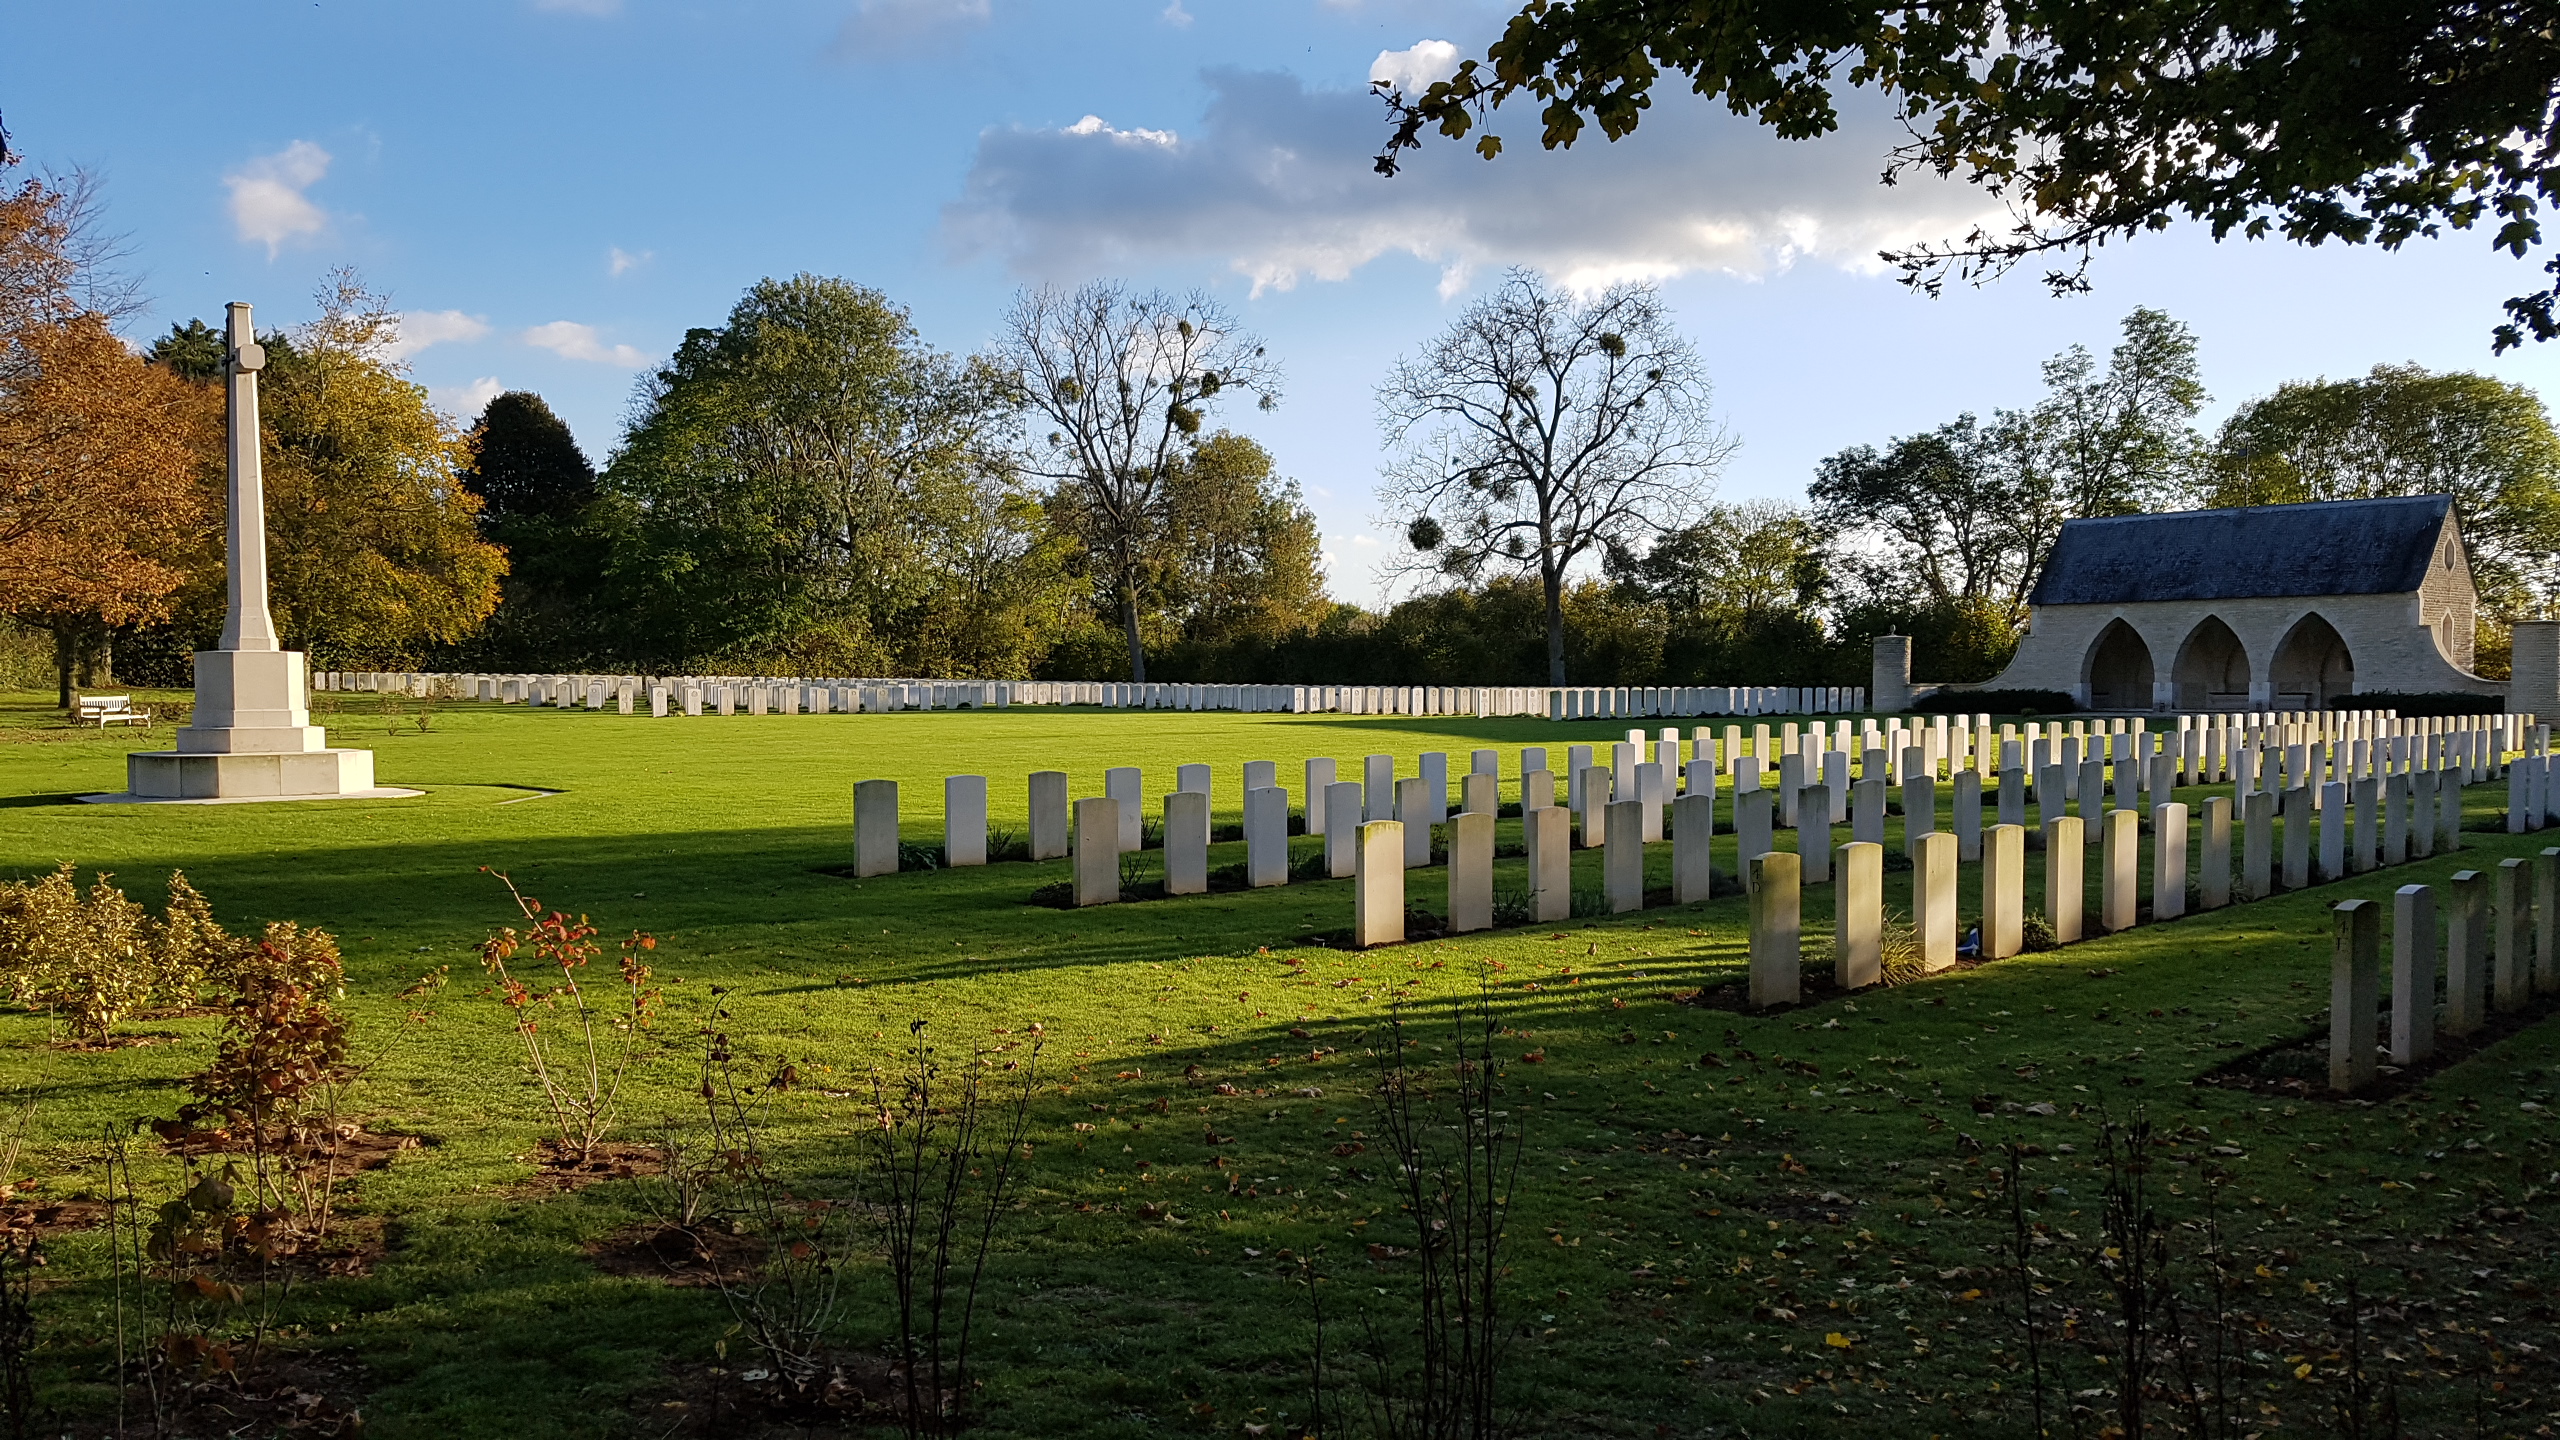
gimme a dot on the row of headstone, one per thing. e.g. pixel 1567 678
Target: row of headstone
pixel 1609 704
pixel 2498 945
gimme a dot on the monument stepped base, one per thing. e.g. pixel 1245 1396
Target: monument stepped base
pixel 299 775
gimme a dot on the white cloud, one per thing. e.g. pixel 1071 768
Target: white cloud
pixel 267 203
pixel 422 328
pixel 465 402
pixel 882 29
pixel 620 261
pixel 1276 183
pixel 1174 15
pixel 1365 542
pixel 1414 70
pixel 573 341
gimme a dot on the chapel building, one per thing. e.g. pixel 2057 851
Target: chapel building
pixel 2269 607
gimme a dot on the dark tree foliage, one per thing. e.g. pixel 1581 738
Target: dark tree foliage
pixel 2313 120
pixel 195 351
pixel 526 464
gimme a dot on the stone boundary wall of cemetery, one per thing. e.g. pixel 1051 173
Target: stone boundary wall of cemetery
pixel 666 695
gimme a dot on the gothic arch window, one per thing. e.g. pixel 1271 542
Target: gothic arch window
pixel 2312 666
pixel 2118 670
pixel 2212 672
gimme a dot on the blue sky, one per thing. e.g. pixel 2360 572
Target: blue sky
pixel 552 191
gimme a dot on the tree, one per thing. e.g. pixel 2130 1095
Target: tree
pixel 374 550
pixel 1758 556
pixel 102 486
pixel 1540 430
pixel 524 462
pixel 1245 556
pixel 805 480
pixel 1119 385
pixel 2313 121
pixel 2403 430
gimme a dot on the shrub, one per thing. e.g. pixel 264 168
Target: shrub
pixel 580 1072
pixel 273 1087
pixel 99 957
pixel 1996 702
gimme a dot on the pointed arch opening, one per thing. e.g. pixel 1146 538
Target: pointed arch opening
pixel 2312 666
pixel 2212 672
pixel 2118 670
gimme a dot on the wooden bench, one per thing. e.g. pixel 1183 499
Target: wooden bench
pixel 105 710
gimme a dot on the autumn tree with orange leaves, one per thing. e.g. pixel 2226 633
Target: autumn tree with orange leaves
pixel 103 457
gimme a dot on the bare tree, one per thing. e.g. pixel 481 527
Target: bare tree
pixel 1120 383
pixel 1541 429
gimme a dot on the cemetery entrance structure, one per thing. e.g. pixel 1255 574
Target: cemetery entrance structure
pixel 2283 607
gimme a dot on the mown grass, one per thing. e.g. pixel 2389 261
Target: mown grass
pixel 1668 1213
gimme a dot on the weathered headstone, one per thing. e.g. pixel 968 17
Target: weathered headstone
pixel 2004 891
pixel 2334 823
pixel 2168 859
pixel 1471 869
pixel 1595 806
pixel 2449 810
pixel 1097 850
pixel 1266 836
pixel 1413 809
pixel 2355 978
pixel 1320 778
pixel 964 820
pixel 2466 952
pixel 1186 842
pixel 1258 775
pixel 2395 819
pixel 2511 985
pixel 2213 855
pixel 2413 974
pixel 1537 791
pixel 1435 783
pixel 1968 815
pixel 1546 835
pixel 1813 834
pixel 2546 920
pixel 1653 796
pixel 2296 803
pixel 1377 903
pixel 2119 856
pixel 2423 814
pixel 2013 796
pixel 1378 779
pixel 1933 899
pixel 2066 893
pixel 1693 828
pixel 875 828
pixel 1622 861
pixel 1048 814
pixel 1342 807
pixel 2364 841
pixel 1857 916
pixel 1777 929
pixel 1867 812
pixel 1754 829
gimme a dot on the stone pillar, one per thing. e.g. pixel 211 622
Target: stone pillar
pixel 1545 832
pixel 1377 903
pixel 875 827
pixel 1777 930
pixel 1127 784
pixel 2413 974
pixel 2118 870
pixel 2355 977
pixel 2466 952
pixel 2066 893
pixel 2536 687
pixel 1266 836
pixel 2213 859
pixel 1968 815
pixel 1889 675
pixel 2004 891
pixel 964 820
pixel 1622 863
pixel 1933 899
pixel 1342 806
pixel 1186 842
pixel 1857 915
pixel 1754 831
pixel 1471 869
pixel 2168 859
pixel 1097 850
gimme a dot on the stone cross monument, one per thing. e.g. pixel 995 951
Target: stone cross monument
pixel 252 737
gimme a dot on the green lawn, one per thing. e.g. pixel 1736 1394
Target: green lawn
pixel 1676 1267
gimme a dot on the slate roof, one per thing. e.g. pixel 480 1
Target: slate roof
pixel 2329 547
